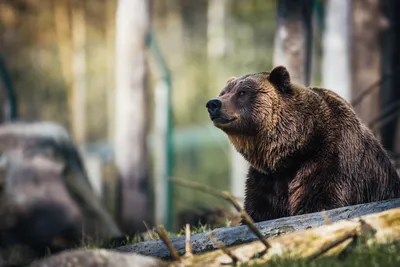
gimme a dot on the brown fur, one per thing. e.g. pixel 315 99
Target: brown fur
pixel 307 148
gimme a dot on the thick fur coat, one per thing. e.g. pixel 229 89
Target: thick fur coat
pixel 308 151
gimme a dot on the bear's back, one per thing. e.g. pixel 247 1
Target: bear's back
pixel 361 157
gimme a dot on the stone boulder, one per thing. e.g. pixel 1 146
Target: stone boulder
pixel 98 258
pixel 46 201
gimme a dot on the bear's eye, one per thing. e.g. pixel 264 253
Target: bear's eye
pixel 241 93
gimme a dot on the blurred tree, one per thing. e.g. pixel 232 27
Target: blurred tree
pixel 78 93
pixel 110 42
pixel 8 93
pixel 293 38
pixel 71 39
pixel 365 50
pixel 217 45
pixel 216 36
pixel 63 33
pixel 132 116
pixel 336 38
pixel 390 93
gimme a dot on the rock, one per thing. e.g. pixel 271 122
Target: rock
pixel 46 201
pixel 98 258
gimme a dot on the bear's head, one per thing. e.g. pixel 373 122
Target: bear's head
pixel 263 114
pixel 249 102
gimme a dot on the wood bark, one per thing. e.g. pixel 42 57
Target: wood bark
pixel 62 25
pixel 327 240
pixel 132 119
pixel 216 35
pixel 241 234
pixel 110 57
pixel 79 72
pixel 336 69
pixel 365 51
pixel 390 93
pixel 293 39
pixel 70 28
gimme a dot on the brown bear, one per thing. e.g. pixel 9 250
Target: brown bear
pixel 308 151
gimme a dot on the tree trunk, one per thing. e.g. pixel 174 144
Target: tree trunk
pixel 131 155
pixel 318 243
pixel 62 24
pixel 110 44
pixel 339 239
pixel 293 39
pixel 390 92
pixel 365 55
pixel 216 43
pixel 216 49
pixel 336 69
pixel 63 33
pixel 79 72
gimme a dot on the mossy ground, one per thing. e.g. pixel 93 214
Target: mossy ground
pixel 129 240
pixel 359 256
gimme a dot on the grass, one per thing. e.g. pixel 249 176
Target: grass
pixel 130 240
pixel 353 256
pixel 358 256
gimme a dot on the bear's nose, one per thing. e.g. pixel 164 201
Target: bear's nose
pixel 213 106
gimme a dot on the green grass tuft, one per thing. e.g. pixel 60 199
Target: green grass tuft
pixel 359 256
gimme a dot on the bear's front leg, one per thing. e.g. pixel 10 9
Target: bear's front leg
pixel 315 193
pixel 265 197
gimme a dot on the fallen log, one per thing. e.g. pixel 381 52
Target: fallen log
pixel 308 244
pixel 327 240
pixel 242 234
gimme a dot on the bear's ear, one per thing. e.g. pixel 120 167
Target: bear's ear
pixel 280 77
pixel 230 79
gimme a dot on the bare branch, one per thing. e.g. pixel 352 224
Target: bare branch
pixel 326 218
pixel 367 91
pixel 333 243
pixel 224 249
pixel 227 196
pixel 164 237
pixel 149 232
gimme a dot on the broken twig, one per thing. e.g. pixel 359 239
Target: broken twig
pixel 188 245
pixel 148 230
pixel 164 237
pixel 227 196
pixel 224 249
pixel 332 244
pixel 326 218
